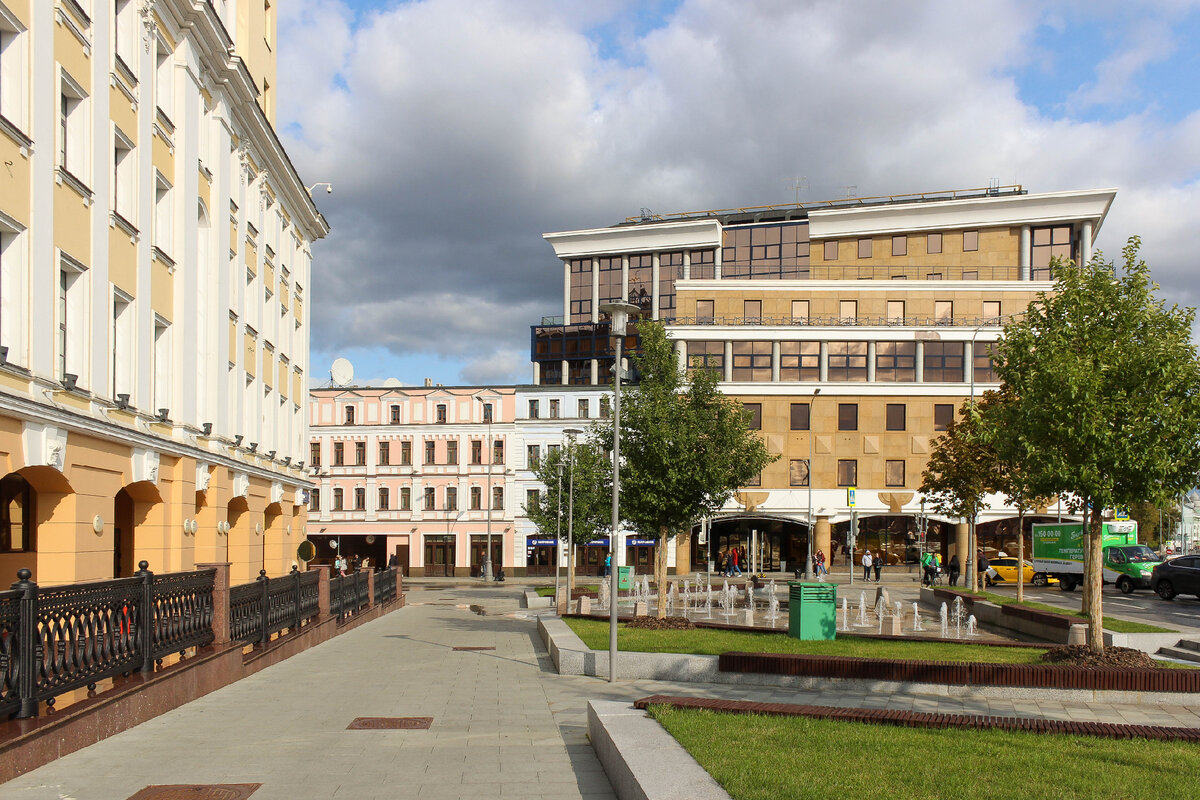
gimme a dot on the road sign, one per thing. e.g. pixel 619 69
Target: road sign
pixel 850 492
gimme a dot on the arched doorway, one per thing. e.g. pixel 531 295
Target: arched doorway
pixel 237 542
pixel 273 545
pixel 132 506
pixel 18 525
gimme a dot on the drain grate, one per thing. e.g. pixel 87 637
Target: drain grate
pixel 390 724
pixel 197 791
pixel 466 649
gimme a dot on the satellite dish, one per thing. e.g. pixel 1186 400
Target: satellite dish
pixel 392 383
pixel 342 371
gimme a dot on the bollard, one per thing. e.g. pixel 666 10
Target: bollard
pixel 145 616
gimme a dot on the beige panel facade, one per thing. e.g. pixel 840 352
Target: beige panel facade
pixel 14 180
pixel 72 234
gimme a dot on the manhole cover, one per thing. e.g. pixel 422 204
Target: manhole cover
pixel 197 791
pixel 390 724
pixel 474 648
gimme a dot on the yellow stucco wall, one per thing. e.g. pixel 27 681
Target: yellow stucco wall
pixel 72 224
pixel 122 261
pixel 14 181
pixel 162 289
pixel 68 51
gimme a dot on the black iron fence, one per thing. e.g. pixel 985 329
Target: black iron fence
pixel 385 585
pixel 56 640
pixel 348 594
pixel 267 606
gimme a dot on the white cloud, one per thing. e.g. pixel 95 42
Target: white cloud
pixel 457 132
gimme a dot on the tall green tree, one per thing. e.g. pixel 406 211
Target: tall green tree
pixel 685 447
pixel 1108 388
pixel 584 507
pixel 959 475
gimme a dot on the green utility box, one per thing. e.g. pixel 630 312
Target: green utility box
pixel 812 610
pixel 624 577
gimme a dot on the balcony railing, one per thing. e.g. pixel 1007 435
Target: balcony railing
pixel 852 322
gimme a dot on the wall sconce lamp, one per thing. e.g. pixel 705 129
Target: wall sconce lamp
pixel 123 401
pixel 237 440
pixel 253 447
pixel 69 381
pixel 164 415
pixel 207 428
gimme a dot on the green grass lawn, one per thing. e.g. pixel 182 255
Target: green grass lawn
pixel 548 591
pixel 768 758
pixel 708 641
pixel 1110 623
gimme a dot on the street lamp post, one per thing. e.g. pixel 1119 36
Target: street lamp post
pixel 571 433
pixel 808 564
pixel 558 535
pixel 620 313
pixel 485 568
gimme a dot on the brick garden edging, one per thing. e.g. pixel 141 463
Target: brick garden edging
pixel 922 719
pixel 1049 676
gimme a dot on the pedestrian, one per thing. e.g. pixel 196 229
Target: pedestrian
pixel 937 568
pixel 339 564
pixel 925 578
pixel 607 564
pixel 393 561
pixel 955 569
pixel 355 562
pixel 735 561
pixel 723 563
pixel 866 565
pixel 981 568
pixel 821 564
pixel 878 564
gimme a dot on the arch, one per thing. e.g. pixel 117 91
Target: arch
pixel 237 544
pixel 274 544
pixel 18 525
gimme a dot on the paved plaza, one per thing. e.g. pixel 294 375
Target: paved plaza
pixel 504 723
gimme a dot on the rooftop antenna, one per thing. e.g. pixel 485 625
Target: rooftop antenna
pixel 799 184
pixel 646 214
pixel 849 192
pixel 993 186
pixel 342 372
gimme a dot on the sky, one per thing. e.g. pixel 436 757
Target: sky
pixel 456 132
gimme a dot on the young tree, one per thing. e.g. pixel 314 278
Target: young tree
pixel 685 447
pixel 1108 384
pixel 959 475
pixel 588 503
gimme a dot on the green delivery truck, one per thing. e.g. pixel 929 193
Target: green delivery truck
pixel 1058 552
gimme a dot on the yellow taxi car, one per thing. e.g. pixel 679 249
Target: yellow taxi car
pixel 1005 571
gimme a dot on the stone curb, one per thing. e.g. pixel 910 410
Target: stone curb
pixel 572 657
pixel 642 760
pixel 531 599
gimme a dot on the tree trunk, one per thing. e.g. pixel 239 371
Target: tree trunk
pixel 1095 577
pixel 1020 554
pixel 1085 544
pixel 973 554
pixel 660 571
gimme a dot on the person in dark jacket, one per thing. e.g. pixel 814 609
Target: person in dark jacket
pixel 955 569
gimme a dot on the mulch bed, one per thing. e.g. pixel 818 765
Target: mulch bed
pixel 1078 655
pixel 664 624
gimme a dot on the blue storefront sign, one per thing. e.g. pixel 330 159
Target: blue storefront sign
pixel 641 542
pixel 534 542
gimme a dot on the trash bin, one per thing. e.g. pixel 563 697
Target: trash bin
pixel 624 577
pixel 812 610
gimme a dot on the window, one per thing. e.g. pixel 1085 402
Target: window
pixel 552 450
pixel 476 498
pixel 799 311
pixel 933 244
pixel 383 498
pixel 13 68
pixel 943 414
pixel 896 417
pixel 605 407
pixel 984 366
pixel 798 472
pixel 848 312
pixel 776 251
pixel 452 452
pixel 124 176
pixel 13 280
pixel 754 421
pixel 752 311
pixel 893 472
pixel 498 451
pixel 337 499
pixel 847 472
pixel 801 418
pixel 385 454
pixel 584 409
pixel 799 361
pixel 847 416
pixel 751 361
pixel 970 241
pixel 670 268
pixel 943 312
pixel 122 344
pixel 1048 244
pixel 831 249
pixel 339 454
pixel 640 287
pixel 554 409
pixel 476 451
pixel 533 409
pixel 991 312
pixel 896 361
pixel 164 91
pixel 430 447
pixel 406 454
pixel 533 454
pixel 72 127
pixel 430 499
pixel 405 498
pixel 581 289
pixel 349 415
pixel 864 248
pixel 610 280
pixel 899 245
pixel 532 497
pixel 314 499
pixel 847 361
pixel 360 499
pixel 704 312
pixel 72 320
pixel 487 412
pixel 164 223
pixel 451 498
pixel 943 362
pixel 440 412
pixel 702 264
pixel 895 312
pixel 706 356
pixel 497 498
pixel 162 364
pixel 314 454
pixel 395 415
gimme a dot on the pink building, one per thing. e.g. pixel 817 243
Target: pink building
pixel 422 473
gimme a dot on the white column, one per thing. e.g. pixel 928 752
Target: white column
pixel 563 380
pixel 775 361
pixel 1085 242
pixel 823 362
pixel 687 264
pixel 654 272
pixel 870 362
pixel 728 376
pixel 717 262
pixel 920 361
pixel 1025 254
pixel 681 354
pixel 595 290
pixel 566 291
pixel 968 361
pixel 595 364
pixel 625 278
